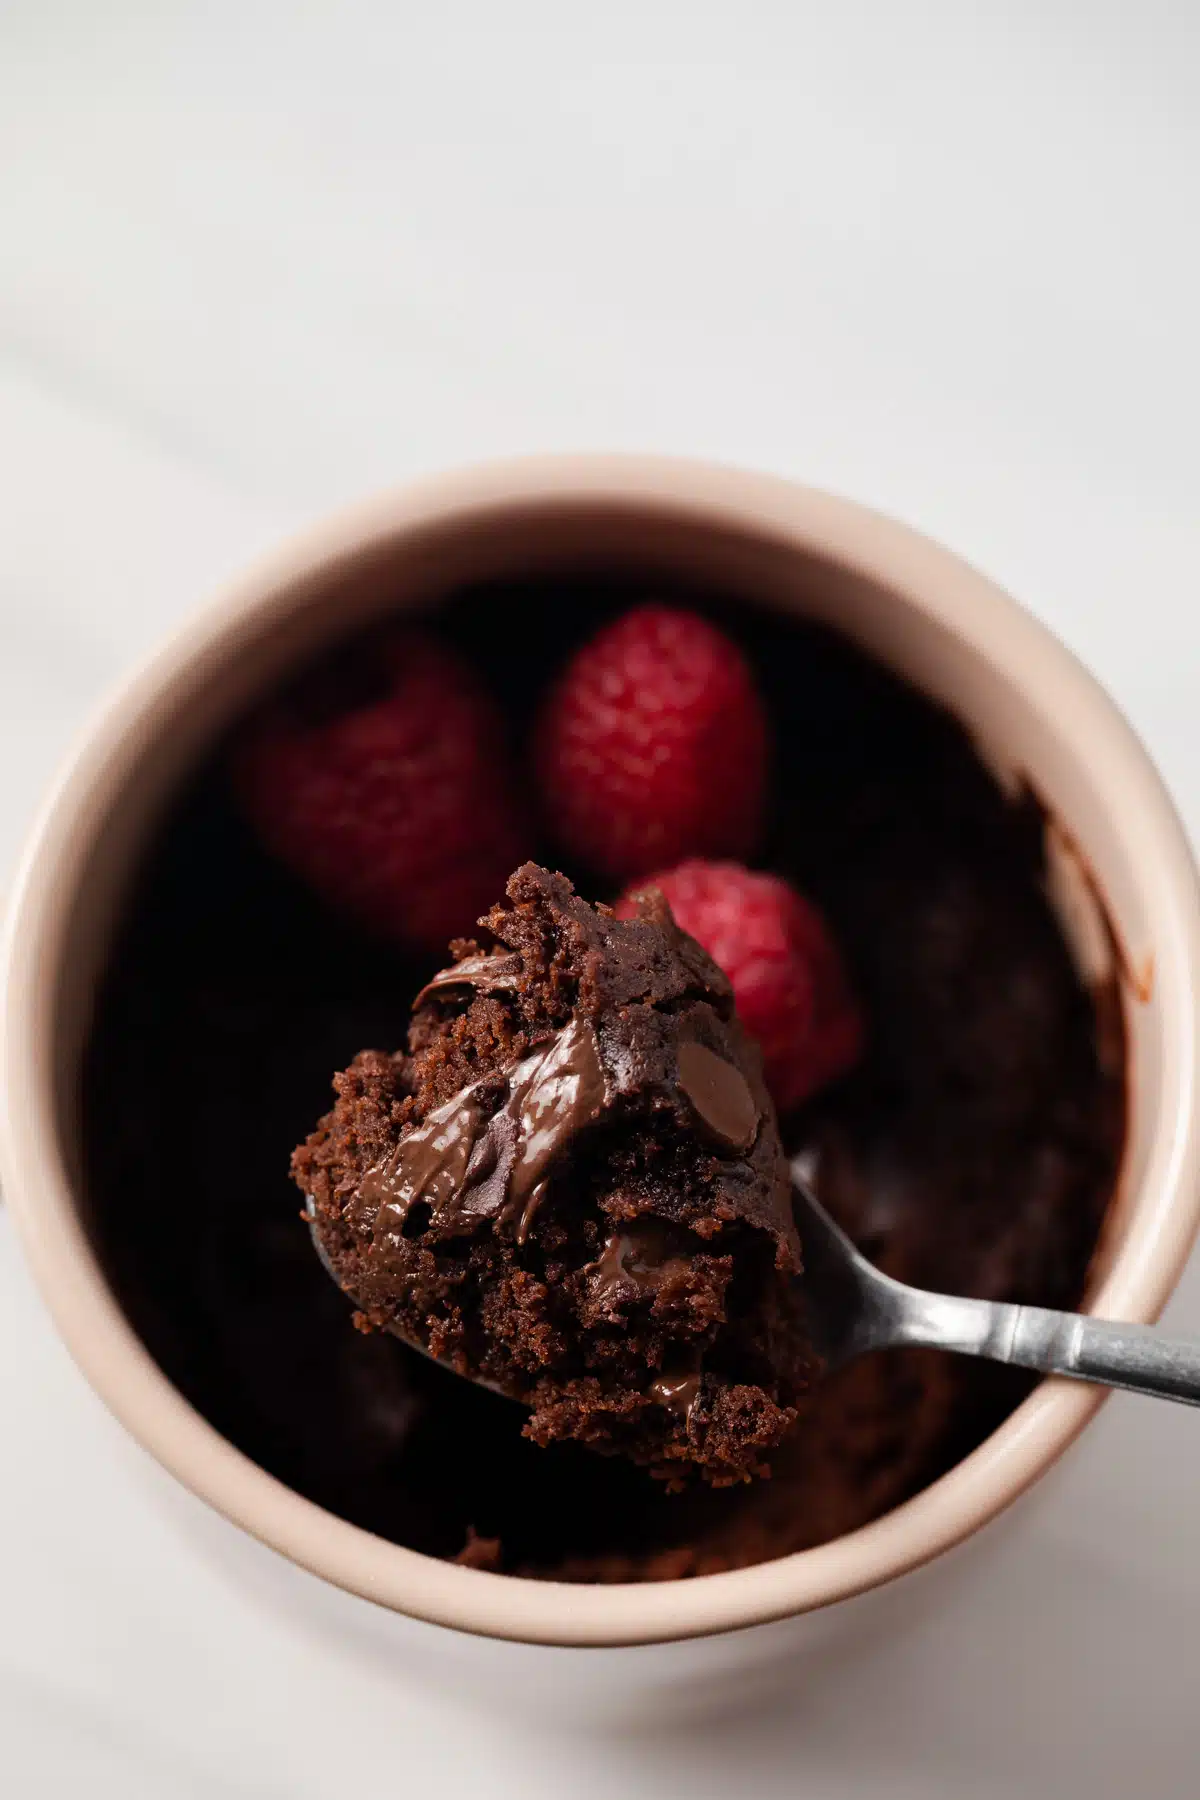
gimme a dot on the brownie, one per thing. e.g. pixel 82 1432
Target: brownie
pixel 573 1188
pixel 974 1149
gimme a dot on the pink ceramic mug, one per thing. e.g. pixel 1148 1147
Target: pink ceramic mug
pixel 1122 877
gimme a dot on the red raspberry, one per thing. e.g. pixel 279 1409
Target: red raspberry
pixel 382 781
pixel 652 745
pixel 787 974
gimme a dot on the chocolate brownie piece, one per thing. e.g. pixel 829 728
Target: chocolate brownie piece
pixel 572 1187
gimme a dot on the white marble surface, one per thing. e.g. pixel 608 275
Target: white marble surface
pixel 257 258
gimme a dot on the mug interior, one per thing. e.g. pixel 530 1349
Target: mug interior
pixel 1122 882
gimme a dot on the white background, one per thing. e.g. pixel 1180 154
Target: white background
pixel 257 259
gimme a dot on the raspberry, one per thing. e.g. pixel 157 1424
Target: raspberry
pixel 788 980
pixel 382 781
pixel 652 746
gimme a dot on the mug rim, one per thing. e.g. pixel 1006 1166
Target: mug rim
pixel 120 1368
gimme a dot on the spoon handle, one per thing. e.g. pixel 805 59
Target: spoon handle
pixel 1136 1357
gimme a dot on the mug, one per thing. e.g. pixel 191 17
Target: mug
pixel 1120 875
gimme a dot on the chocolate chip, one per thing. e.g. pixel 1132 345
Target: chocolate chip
pixel 719 1095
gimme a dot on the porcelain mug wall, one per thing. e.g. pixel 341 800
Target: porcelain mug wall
pixel 1121 876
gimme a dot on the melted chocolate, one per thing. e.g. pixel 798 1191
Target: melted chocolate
pixel 638 1259
pixel 429 1165
pixel 678 1393
pixel 555 1094
pixel 468 1163
pixel 479 974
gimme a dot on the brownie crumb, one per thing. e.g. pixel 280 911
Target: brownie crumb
pixel 572 1188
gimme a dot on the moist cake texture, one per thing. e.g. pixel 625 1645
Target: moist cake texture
pixel 573 1188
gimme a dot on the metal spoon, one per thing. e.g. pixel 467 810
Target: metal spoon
pixel 854 1308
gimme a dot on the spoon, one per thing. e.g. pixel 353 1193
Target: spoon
pixel 853 1308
